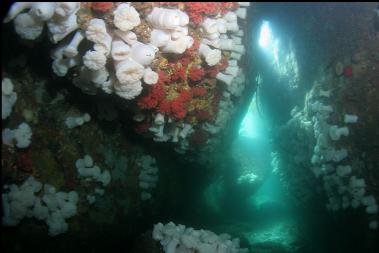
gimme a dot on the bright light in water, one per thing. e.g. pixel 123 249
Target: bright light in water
pixel 283 59
pixel 268 42
pixel 265 37
pixel 252 125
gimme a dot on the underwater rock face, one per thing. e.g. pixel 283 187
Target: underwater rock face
pixel 175 66
pixel 165 57
pixel 329 131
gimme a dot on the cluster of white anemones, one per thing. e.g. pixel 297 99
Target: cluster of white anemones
pixel 224 33
pixel 8 97
pixel 220 33
pixel 91 172
pixel 52 207
pixel 343 188
pixel 178 238
pixel 72 122
pixel 21 136
pixel 131 59
pixel 148 176
pixel 170 30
